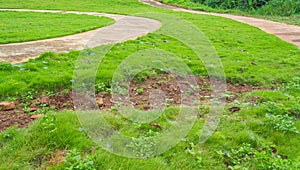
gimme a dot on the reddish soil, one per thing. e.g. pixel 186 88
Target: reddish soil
pixel 166 83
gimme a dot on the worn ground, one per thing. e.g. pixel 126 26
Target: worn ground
pixel 22 115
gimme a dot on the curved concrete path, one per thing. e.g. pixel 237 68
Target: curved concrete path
pixel 124 28
pixel 289 33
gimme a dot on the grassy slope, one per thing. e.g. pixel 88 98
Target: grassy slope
pixel 28 26
pixel 32 147
pixel 294 19
pixel 276 60
pixel 237 45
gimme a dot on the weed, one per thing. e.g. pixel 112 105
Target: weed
pixel 140 90
pixel 50 93
pixel 168 101
pixel 265 158
pixel 283 123
pixel 143 146
pixel 101 87
pixel 292 86
pixel 227 95
pixel 74 161
pixel 8 134
pixel 196 152
pixel 44 109
pixel 274 108
pixel 27 97
pixel 48 123
pixel 11 99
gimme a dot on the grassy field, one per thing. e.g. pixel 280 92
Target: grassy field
pixel 244 139
pixel 293 19
pixel 29 26
pixel 119 7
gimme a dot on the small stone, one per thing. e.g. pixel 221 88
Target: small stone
pixel 36 116
pixel 7 106
pixel 45 100
pixel 100 102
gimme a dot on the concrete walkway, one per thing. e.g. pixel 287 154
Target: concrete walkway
pixel 124 28
pixel 289 33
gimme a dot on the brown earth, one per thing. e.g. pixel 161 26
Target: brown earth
pixel 21 116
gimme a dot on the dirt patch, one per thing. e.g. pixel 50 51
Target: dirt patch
pixel 14 117
pixel 57 157
pixel 140 96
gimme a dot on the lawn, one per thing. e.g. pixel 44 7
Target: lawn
pixel 29 26
pixel 293 19
pixel 253 137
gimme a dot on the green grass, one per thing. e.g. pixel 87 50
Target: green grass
pixel 32 147
pixel 237 45
pixel 118 6
pixel 293 19
pixel 29 26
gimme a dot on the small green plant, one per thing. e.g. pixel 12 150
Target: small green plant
pixel 48 123
pixel 27 97
pixel 26 108
pixel 11 99
pixel 197 87
pixel 265 158
pixel 293 85
pixel 274 108
pixel 44 109
pixel 74 161
pixel 101 87
pixel 8 134
pixel 227 95
pixel 283 123
pixel 236 156
pixel 168 101
pixel 196 152
pixel 120 89
pixel 50 93
pixel 140 90
pixel 143 146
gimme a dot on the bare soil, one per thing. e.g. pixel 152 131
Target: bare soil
pixel 62 100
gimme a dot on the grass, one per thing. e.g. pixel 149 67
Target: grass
pixel 237 44
pixel 34 146
pixel 29 26
pixel 293 19
pixel 105 6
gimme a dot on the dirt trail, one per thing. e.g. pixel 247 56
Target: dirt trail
pixel 289 33
pixel 124 28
